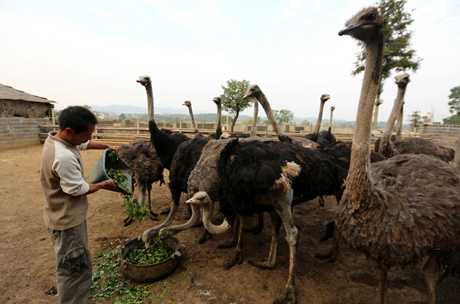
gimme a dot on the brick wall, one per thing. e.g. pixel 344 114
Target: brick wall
pixel 19 131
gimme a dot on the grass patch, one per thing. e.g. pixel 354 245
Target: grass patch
pixel 107 282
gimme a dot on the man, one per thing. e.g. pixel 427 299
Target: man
pixel 66 201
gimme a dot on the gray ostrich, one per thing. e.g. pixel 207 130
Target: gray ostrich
pixel 188 104
pixel 146 166
pixel 390 146
pixel 400 211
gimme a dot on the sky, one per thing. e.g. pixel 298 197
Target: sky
pixel 92 52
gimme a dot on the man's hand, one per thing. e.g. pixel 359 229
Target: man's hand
pixel 97 145
pixel 107 185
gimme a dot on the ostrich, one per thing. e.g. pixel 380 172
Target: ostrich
pixel 390 146
pixel 254 122
pixel 147 169
pixel 323 137
pixel 399 125
pixel 331 117
pixel 457 154
pixel 188 104
pixel 403 210
pixel 218 101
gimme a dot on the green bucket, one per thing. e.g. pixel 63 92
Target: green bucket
pixel 110 160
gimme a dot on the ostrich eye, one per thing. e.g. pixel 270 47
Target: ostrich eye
pixel 369 17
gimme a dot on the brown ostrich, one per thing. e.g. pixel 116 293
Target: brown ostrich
pixel 188 104
pixel 403 210
pixel 393 145
pixel 146 166
pixel 457 154
pixel 322 101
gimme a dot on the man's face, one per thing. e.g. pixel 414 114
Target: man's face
pixel 79 138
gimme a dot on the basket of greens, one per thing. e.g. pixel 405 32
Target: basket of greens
pixel 147 264
pixel 111 166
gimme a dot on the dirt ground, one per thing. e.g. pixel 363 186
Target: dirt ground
pixel 27 261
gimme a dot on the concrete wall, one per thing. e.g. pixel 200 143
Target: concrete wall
pixel 18 108
pixel 19 131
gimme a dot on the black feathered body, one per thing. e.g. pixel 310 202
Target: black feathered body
pixel 165 142
pixel 249 169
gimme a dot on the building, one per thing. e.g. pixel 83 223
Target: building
pixel 16 103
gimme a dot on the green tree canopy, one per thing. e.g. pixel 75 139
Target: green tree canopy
pixel 454 100
pixel 233 101
pixel 415 120
pixel 452 120
pixel 397 55
pixel 283 116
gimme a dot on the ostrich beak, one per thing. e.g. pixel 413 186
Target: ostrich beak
pixel 348 30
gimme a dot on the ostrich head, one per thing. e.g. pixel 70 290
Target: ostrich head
pixel 217 100
pixel 364 25
pixel 332 108
pixel 187 103
pixel 202 199
pixel 325 97
pixel 144 80
pixel 402 80
pixel 252 92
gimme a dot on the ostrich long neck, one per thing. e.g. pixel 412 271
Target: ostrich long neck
pixel 331 118
pixel 357 183
pixel 320 118
pixel 395 113
pixel 457 154
pixel 268 111
pixel 219 121
pixel 193 118
pixel 254 122
pixel 148 89
pixel 399 125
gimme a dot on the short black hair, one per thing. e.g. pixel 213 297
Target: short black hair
pixel 76 118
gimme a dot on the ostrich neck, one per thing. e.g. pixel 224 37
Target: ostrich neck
pixel 193 118
pixel 457 154
pixel 254 122
pixel 148 89
pixel 357 183
pixel 268 111
pixel 395 113
pixel 219 121
pixel 331 118
pixel 399 126
pixel 320 118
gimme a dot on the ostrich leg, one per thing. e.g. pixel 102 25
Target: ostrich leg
pixel 383 284
pixel 153 215
pixel 238 256
pixel 431 272
pixel 270 262
pixel 283 208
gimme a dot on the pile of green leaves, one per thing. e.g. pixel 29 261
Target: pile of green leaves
pixel 107 282
pixel 133 208
pixel 155 254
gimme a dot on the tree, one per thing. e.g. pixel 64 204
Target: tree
pixel 283 116
pixel 454 100
pixel 452 120
pixel 397 55
pixel 233 100
pixel 415 120
pixel 122 117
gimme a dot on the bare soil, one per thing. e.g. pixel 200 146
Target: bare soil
pixel 27 260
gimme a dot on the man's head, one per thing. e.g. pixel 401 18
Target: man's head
pixel 77 124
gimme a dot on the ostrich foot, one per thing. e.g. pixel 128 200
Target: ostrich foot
pixel 287 297
pixel 237 259
pixel 128 221
pixel 227 244
pixel 263 264
pixel 165 210
pixel 205 236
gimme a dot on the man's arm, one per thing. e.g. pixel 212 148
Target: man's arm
pixel 96 145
